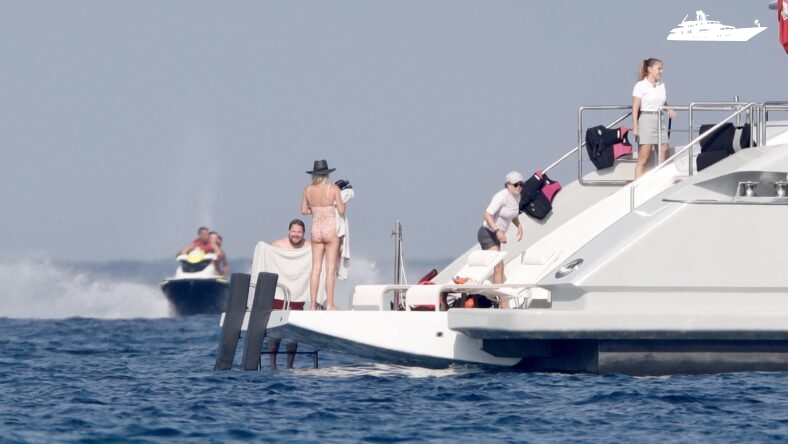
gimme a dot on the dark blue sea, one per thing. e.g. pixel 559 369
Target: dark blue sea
pixel 124 370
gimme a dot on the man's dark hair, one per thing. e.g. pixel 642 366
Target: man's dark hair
pixel 296 222
pixel 202 228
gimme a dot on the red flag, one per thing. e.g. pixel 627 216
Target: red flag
pixel 782 16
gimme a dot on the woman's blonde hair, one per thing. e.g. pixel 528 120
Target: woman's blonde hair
pixel 647 63
pixel 319 178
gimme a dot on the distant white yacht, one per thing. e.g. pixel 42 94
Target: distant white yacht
pixel 711 30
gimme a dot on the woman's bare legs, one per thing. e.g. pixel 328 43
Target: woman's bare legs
pixel 332 259
pixel 318 250
pixel 498 270
pixel 644 152
pixel 498 277
pixel 665 151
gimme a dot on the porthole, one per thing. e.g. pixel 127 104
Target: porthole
pixel 568 268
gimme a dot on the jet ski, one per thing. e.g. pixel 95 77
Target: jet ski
pixel 197 287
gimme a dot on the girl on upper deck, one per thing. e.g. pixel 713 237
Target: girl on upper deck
pixel 648 96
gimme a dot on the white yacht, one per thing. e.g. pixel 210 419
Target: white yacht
pixel 711 30
pixel 680 271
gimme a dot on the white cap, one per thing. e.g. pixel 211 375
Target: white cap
pixel 514 177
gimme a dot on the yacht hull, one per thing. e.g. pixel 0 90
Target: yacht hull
pixel 544 341
pixel 407 338
pixel 728 35
pixel 633 343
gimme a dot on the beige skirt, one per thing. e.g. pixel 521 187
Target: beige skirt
pixel 648 124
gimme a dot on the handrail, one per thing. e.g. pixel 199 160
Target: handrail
pixel 726 106
pixel 660 126
pixel 575 149
pixel 779 106
pixel 715 106
pixel 753 108
pixel 285 294
pixel 687 148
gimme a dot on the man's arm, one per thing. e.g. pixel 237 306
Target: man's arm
pixel 186 249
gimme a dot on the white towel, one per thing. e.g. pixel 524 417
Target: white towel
pixel 294 268
pixel 343 231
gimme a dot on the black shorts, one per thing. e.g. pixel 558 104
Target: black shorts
pixel 487 238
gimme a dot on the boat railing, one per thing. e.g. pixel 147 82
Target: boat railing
pixel 753 110
pixel 286 294
pixel 774 106
pixel 581 141
pixel 693 110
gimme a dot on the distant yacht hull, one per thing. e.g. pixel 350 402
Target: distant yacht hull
pixel 724 35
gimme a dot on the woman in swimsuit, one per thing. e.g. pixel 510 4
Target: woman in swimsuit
pixel 320 199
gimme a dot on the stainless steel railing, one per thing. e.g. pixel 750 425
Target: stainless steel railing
pixel 752 108
pixel 776 106
pixel 581 141
pixel 756 115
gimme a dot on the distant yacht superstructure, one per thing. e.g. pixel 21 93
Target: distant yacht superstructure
pixel 711 30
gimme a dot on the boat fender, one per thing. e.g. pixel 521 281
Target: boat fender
pixel 427 278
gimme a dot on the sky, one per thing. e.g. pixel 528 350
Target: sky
pixel 125 125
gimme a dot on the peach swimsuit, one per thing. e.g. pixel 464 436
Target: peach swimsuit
pixel 324 224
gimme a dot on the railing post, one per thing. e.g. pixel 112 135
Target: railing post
pixel 397 233
pixel 580 145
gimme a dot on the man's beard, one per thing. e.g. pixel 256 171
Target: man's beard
pixel 297 244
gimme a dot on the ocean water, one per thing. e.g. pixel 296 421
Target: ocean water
pixel 124 370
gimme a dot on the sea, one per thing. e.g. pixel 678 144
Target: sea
pixel 90 353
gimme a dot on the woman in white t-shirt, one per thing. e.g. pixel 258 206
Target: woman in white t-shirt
pixel 502 211
pixel 648 95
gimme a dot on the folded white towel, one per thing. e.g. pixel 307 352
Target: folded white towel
pixel 343 231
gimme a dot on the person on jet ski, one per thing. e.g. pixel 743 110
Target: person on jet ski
pixel 222 266
pixel 202 242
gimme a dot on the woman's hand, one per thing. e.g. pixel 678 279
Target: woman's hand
pixel 501 236
pixel 671 113
pixel 519 232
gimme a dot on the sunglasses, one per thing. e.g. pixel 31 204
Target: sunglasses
pixel 518 184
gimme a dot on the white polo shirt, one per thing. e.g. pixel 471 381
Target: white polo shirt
pixel 651 97
pixel 503 208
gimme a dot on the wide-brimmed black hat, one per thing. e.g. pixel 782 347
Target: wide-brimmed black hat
pixel 321 168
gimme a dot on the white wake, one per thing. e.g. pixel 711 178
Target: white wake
pixel 47 291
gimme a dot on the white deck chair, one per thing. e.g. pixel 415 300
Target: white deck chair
pixel 521 274
pixel 479 268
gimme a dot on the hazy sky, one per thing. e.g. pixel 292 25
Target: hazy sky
pixel 124 125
